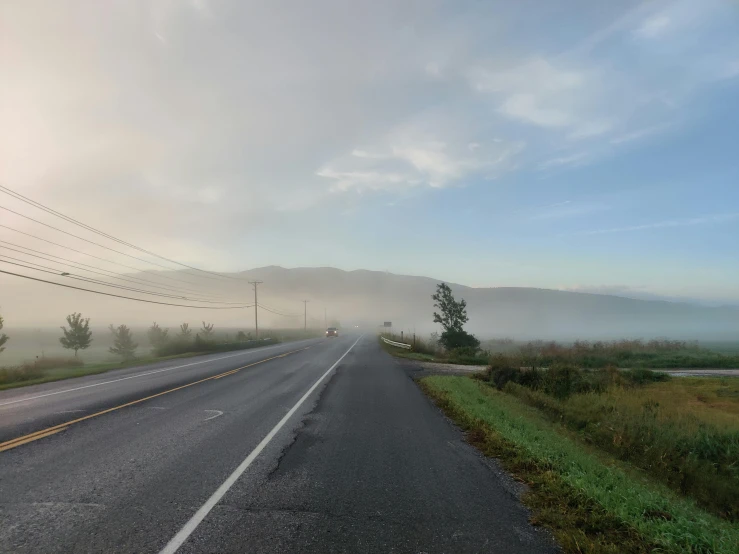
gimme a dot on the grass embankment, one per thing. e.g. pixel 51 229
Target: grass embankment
pixel 592 461
pixel 48 369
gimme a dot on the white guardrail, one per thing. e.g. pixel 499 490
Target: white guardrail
pixel 398 344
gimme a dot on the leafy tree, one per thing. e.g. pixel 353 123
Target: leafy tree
pixel 185 331
pixel 241 336
pixel 123 344
pixel 452 318
pixel 207 330
pixel 157 336
pixel 79 336
pixel 3 337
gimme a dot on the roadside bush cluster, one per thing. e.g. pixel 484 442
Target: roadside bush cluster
pixel 198 344
pixel 28 371
pixel 563 380
pixel 626 353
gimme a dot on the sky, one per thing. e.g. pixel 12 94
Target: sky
pixel 568 144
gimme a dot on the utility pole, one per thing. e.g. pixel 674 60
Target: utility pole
pixel 325 318
pixel 305 315
pixel 256 317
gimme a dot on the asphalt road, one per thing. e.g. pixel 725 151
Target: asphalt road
pixel 320 446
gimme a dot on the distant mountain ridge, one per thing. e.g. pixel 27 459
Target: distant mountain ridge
pixel 368 298
pixel 501 311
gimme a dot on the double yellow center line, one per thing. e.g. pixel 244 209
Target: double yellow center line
pixel 13 443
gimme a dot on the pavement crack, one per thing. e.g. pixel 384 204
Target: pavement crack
pixel 302 433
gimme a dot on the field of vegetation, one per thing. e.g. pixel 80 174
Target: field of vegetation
pixel 616 461
pixel 628 354
pixel 36 356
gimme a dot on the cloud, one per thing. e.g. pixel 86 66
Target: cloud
pixel 638 134
pixel 527 107
pixel 654 26
pixel 731 70
pixel 579 158
pixel 408 157
pixel 687 222
pixel 538 92
pixel 237 112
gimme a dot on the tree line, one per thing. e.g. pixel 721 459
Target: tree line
pixel 77 335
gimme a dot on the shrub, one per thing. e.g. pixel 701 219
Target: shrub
pixel 452 339
pixel 561 380
pixel 644 376
pixel 28 371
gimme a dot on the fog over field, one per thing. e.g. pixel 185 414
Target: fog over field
pixel 365 298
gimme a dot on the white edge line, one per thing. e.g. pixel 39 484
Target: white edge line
pixel 242 353
pixel 179 539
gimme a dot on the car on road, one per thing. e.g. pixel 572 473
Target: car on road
pixel 332 332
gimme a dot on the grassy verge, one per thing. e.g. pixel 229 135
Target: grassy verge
pixel 58 369
pixel 684 433
pixel 61 373
pixel 592 502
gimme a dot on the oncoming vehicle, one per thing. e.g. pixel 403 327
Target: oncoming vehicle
pixel 332 332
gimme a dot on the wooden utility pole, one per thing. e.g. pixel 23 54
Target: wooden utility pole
pixel 256 317
pixel 305 315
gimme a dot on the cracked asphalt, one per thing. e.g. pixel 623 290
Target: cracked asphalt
pixel 365 464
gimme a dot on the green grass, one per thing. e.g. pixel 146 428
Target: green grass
pixel 655 354
pixel 62 373
pixel 691 445
pixel 44 370
pixel 591 501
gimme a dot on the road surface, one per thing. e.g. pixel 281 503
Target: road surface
pixel 317 446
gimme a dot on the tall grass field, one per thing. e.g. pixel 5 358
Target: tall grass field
pixel 623 463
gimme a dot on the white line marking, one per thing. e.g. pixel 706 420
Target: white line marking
pixel 187 530
pixel 69 412
pixel 242 353
pixel 217 412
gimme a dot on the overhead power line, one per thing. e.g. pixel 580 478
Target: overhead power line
pixel 96 257
pixel 96 243
pixel 125 297
pixel 46 209
pixel 271 310
pixel 95 270
pixel 54 271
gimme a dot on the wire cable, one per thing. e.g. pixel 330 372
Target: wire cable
pixel 96 257
pixel 97 244
pixel 96 270
pixel 46 209
pixel 277 312
pixel 126 297
pixel 53 271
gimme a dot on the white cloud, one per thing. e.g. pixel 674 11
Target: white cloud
pixel 411 159
pixel 654 26
pixel 525 106
pixel 591 129
pixel 638 134
pixel 537 92
pixel 575 159
pixel 731 70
